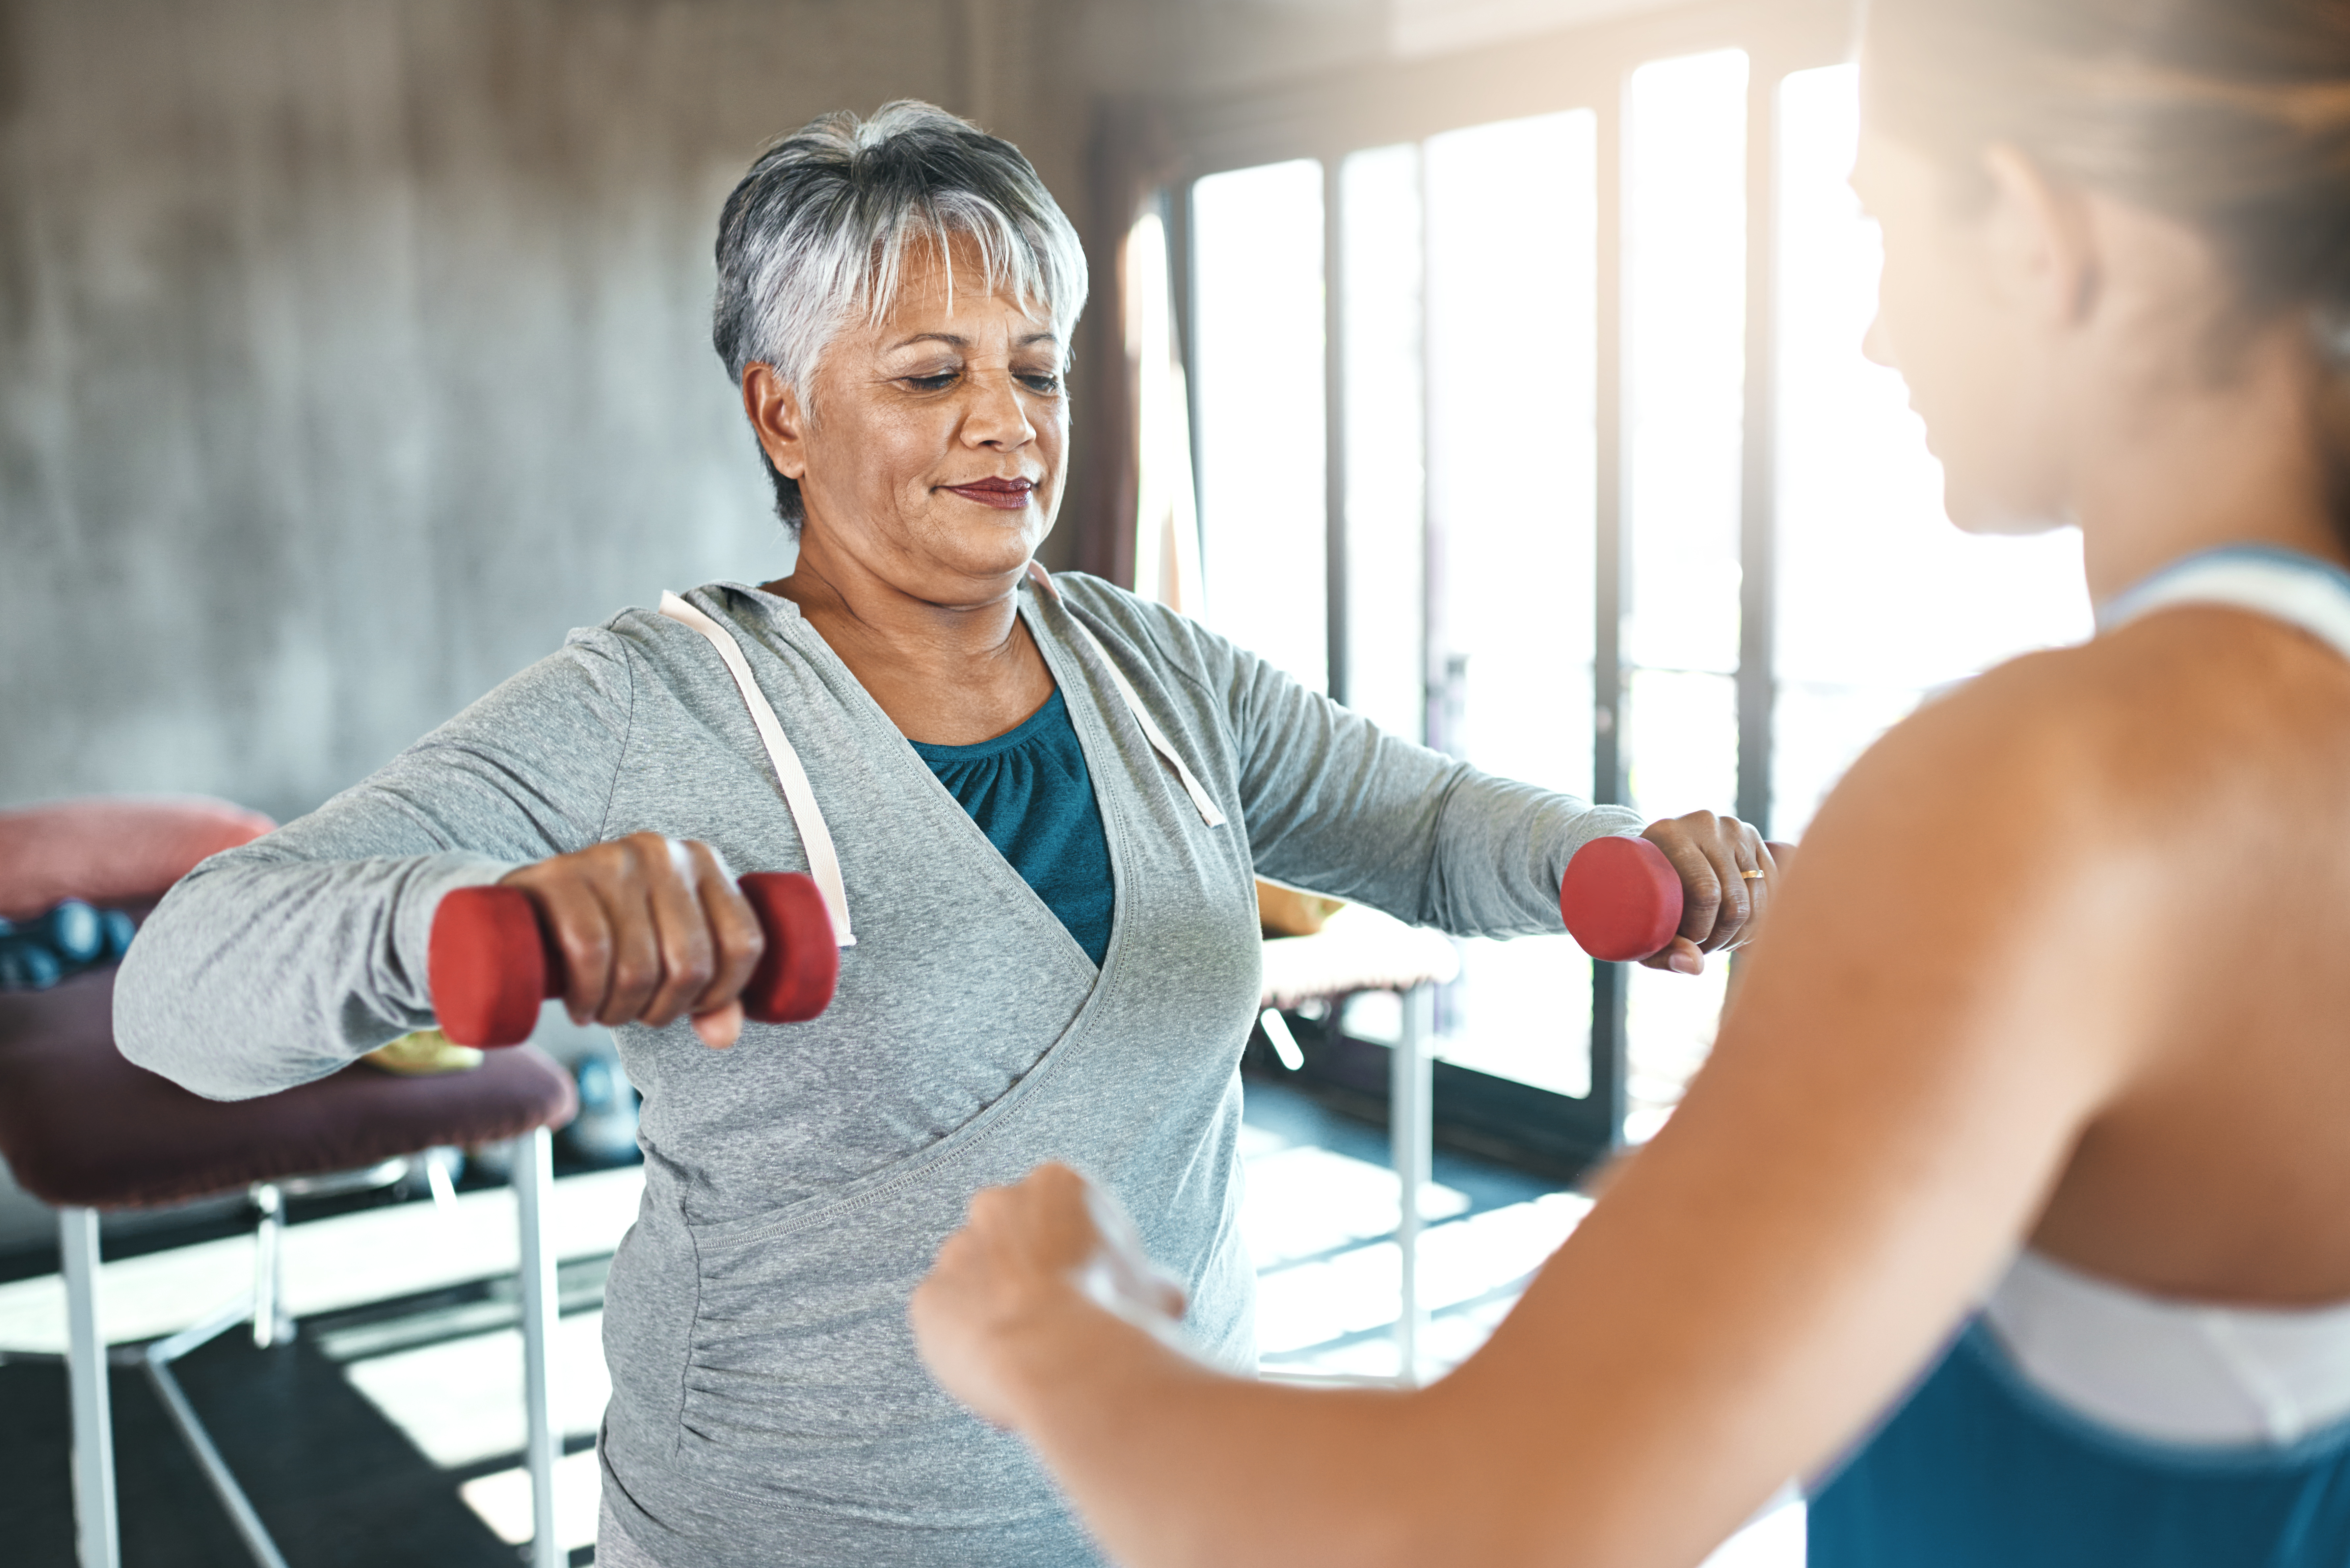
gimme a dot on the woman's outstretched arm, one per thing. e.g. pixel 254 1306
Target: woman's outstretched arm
pixel 281 962
pixel 1335 804
pixel 1894 1094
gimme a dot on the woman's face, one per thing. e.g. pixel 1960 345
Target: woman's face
pixel 933 447
pixel 1948 319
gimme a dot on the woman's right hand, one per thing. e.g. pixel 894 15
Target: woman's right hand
pixel 651 930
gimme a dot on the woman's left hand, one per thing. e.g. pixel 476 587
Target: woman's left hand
pixel 1023 1276
pixel 1726 870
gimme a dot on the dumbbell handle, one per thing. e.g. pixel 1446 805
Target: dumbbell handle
pixel 1621 898
pixel 493 961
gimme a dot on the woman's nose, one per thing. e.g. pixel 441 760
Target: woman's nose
pixel 998 415
pixel 1873 345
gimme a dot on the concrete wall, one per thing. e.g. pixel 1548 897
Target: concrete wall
pixel 351 350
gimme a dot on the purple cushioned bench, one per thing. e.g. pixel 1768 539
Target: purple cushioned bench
pixel 84 1130
pixel 81 1127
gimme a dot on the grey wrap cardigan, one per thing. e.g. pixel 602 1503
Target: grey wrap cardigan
pixel 767 1404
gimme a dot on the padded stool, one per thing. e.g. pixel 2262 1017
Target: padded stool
pixel 84 1130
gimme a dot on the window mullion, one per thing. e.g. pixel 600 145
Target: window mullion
pixel 1334 426
pixel 1608 991
pixel 1759 469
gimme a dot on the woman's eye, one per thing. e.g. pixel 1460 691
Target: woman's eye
pixel 937 382
pixel 1044 382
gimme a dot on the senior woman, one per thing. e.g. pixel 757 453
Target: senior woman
pixel 1046 802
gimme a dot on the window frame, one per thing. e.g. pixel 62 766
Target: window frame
pixel 1586 67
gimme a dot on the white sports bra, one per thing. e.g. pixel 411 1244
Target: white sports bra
pixel 2179 1371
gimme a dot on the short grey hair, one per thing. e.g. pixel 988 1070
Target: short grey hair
pixel 816 232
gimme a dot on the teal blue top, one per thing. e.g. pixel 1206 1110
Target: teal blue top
pixel 1979 1469
pixel 1029 792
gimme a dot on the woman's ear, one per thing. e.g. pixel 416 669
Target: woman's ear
pixel 2040 242
pixel 775 415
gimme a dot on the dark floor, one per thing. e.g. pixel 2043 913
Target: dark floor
pixel 331 1479
pixel 335 1482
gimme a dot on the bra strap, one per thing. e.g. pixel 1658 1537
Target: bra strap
pixel 824 865
pixel 2284 585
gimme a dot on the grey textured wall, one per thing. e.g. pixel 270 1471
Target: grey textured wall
pixel 351 350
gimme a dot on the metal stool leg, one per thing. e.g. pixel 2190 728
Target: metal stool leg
pixel 1411 1113
pixel 156 1359
pixel 534 1184
pixel 270 1323
pixel 93 1418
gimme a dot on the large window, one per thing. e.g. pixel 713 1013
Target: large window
pixel 1685 223
pixel 1257 356
pixel 1549 441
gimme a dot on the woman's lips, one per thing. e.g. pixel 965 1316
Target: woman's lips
pixel 1003 494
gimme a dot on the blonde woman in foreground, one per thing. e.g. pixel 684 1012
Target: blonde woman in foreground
pixel 2014 1217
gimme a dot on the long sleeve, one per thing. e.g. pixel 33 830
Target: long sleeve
pixel 1336 804
pixel 279 962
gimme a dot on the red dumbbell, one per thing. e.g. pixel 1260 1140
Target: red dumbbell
pixel 1621 898
pixel 493 963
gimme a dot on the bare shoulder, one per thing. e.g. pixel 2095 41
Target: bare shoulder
pixel 2202 709
pixel 2054 813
